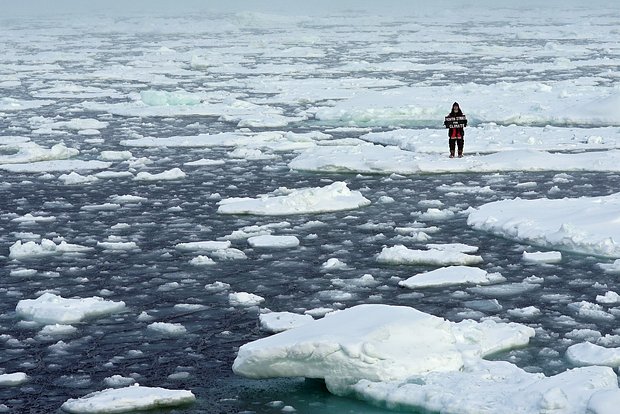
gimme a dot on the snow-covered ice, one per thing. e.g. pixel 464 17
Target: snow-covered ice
pixel 13 379
pixel 274 322
pixel 50 308
pixel 245 299
pixel 119 400
pixel 585 225
pixel 375 342
pixel 452 275
pixel 400 254
pixel 270 241
pixel 334 197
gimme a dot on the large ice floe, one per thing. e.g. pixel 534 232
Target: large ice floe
pixel 377 159
pixel 405 359
pixel 585 225
pixel 121 400
pixel 334 197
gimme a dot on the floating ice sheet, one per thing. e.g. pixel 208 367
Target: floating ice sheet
pixel 453 275
pixel 128 399
pixel 49 309
pixel 374 342
pixel 333 197
pixel 584 225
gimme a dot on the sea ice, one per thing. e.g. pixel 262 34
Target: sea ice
pixel 50 309
pixel 275 242
pixel 56 166
pixel 400 254
pixel 74 178
pixel 244 299
pixel 333 197
pixel 585 225
pixel 13 379
pixel 494 387
pixel 135 397
pixel 609 297
pixel 166 328
pixel 587 353
pixel 203 246
pixel 543 257
pixel 453 275
pixel 28 152
pixel 173 174
pixel 46 247
pixel 374 342
pixel 282 321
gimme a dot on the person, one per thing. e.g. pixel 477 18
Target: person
pixel 456 122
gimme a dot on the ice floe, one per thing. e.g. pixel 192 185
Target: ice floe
pixel 587 353
pixel 56 166
pixel 119 400
pixel 274 322
pixel 542 257
pixel 583 225
pixel 334 197
pixel 400 254
pixel 498 387
pixel 376 159
pixel 173 174
pixel 13 379
pixel 275 242
pixel 50 308
pixel 31 249
pixel 452 275
pixel 375 342
pixel 244 299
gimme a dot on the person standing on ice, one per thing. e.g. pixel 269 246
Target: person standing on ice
pixel 456 122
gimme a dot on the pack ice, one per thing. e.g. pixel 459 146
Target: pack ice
pixel 402 358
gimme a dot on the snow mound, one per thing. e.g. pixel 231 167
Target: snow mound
pixel 374 342
pixel 50 309
pixel 121 400
pixel 333 197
